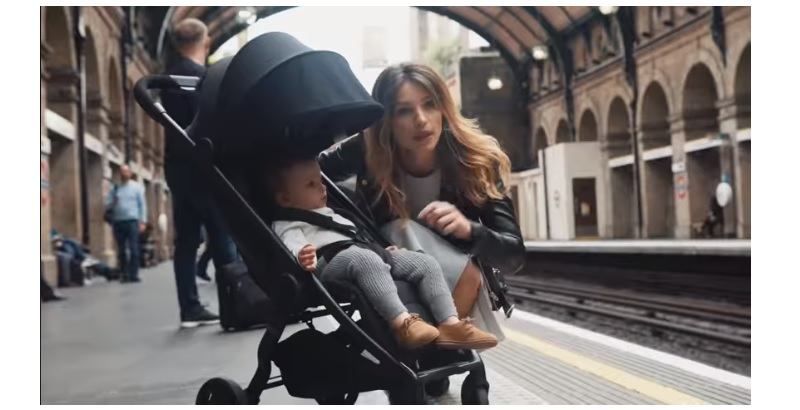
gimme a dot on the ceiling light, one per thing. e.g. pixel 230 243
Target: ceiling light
pixel 247 15
pixel 539 52
pixel 606 10
pixel 494 83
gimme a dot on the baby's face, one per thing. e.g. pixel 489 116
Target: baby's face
pixel 303 187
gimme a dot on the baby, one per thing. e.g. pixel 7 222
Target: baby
pixel 310 229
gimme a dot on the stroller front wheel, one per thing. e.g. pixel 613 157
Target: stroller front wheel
pixel 221 391
pixel 349 398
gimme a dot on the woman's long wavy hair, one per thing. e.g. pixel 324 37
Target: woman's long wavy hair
pixel 469 158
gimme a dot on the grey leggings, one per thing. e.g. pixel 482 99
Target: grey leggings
pixel 373 276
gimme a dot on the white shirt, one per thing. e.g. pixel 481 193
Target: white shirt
pixel 297 234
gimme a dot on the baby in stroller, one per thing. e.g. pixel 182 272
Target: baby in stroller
pixel 326 242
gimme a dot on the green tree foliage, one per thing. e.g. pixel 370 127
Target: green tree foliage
pixel 442 56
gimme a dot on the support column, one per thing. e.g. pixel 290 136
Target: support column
pixel 49 269
pixel 658 196
pixel 101 236
pixel 62 97
pixel 606 231
pixel 733 117
pixel 683 220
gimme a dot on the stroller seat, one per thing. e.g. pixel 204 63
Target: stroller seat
pixel 276 94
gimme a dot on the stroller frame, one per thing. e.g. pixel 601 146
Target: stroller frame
pixel 290 289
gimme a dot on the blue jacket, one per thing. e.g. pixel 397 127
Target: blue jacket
pixel 130 202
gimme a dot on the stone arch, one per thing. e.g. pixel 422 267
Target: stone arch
pixel 618 131
pixel 588 129
pixel 116 104
pixel 582 104
pixel 735 53
pixel 94 84
pixel 654 116
pixel 656 76
pixel 562 132
pixel 699 95
pixel 617 89
pixel 61 61
pixel 741 88
pixel 713 62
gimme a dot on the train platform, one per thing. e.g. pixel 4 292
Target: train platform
pixel 709 247
pixel 112 343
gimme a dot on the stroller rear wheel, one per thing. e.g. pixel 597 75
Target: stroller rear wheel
pixel 437 388
pixel 221 391
pixel 475 390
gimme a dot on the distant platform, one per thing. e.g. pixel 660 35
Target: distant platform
pixel 726 247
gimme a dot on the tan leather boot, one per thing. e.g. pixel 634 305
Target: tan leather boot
pixel 415 333
pixel 464 335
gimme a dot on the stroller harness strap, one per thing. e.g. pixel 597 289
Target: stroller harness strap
pixel 329 251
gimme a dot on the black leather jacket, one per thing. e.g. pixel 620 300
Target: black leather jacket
pixel 496 239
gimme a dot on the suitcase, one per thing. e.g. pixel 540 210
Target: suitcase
pixel 242 304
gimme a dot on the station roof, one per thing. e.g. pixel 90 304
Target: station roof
pixel 512 30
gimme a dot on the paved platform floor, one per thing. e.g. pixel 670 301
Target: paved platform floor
pixel 113 343
pixel 726 247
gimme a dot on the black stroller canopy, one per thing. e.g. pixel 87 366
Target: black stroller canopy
pixel 203 124
pixel 278 92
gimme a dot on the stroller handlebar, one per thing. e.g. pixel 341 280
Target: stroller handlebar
pixel 141 91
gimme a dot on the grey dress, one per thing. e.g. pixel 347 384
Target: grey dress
pixel 412 235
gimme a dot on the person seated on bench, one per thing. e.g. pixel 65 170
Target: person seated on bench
pixel 310 229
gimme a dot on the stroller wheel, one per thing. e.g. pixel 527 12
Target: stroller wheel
pixel 437 388
pixel 474 390
pixel 221 391
pixel 349 398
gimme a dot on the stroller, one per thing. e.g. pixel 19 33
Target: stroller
pixel 277 95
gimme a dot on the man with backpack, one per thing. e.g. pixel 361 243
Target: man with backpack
pixel 126 210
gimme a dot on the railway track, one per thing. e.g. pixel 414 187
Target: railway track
pixel 658 312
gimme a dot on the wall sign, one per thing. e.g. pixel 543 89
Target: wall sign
pixel 681 186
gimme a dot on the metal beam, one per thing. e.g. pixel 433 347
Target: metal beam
pixel 495 21
pixel 718 31
pixel 530 30
pixel 625 19
pixel 564 60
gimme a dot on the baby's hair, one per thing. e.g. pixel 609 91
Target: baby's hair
pixel 276 166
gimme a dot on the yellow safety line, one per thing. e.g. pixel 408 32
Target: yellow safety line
pixel 666 395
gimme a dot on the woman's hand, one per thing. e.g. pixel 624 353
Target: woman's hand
pixel 445 218
pixel 308 258
pixel 392 248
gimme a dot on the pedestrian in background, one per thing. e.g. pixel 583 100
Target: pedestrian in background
pixel 128 218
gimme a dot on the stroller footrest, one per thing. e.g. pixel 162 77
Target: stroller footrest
pixel 449 369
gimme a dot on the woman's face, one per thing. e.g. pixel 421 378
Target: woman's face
pixel 416 121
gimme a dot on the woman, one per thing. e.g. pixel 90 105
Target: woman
pixel 434 182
